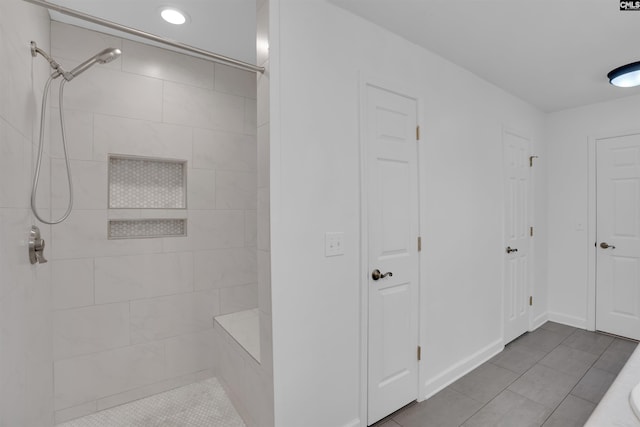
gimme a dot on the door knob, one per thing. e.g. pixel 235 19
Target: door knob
pixel 376 275
pixel 509 250
pixel 605 245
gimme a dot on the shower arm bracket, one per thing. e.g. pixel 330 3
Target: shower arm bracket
pixel 35 50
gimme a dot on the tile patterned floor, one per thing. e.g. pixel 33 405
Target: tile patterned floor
pixel 552 377
pixel 202 404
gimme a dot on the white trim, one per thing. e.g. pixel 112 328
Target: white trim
pixel 565 319
pixel 590 322
pixel 365 80
pixel 530 215
pixel 460 369
pixel 353 423
pixel 539 321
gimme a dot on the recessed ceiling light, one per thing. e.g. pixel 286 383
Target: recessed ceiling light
pixel 173 16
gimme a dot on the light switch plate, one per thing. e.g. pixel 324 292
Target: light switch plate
pixel 333 244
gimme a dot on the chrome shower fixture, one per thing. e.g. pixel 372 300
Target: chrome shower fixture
pixel 103 57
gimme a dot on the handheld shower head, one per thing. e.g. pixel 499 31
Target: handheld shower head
pixel 102 57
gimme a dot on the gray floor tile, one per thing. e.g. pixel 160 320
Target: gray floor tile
pixel 518 358
pixel 386 423
pixel 591 342
pixel 559 328
pixel 612 360
pixel 572 412
pixel 569 360
pixel 447 408
pixel 594 385
pixel 541 339
pixel 509 409
pixel 544 385
pixel 485 382
pixel 624 346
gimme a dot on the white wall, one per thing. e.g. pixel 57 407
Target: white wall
pixel 569 246
pixel 26 381
pixel 317 54
pixel 135 317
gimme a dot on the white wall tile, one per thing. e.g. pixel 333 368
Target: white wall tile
pixel 15 168
pixel 202 189
pixel 223 150
pixel 238 298
pixel 250 228
pixel 72 283
pixel 216 229
pixel 142 276
pixel 262 105
pixel 192 106
pixel 75 45
pixel 117 135
pixel 105 91
pixel 169 316
pixel 225 267
pixel 84 235
pixel 250 117
pixel 263 149
pixel 190 353
pixel 151 389
pixel 89 181
pixel 74 412
pixel 166 65
pixel 78 131
pixel 86 378
pixel 264 221
pixel 235 82
pixel 236 190
pixel 264 281
pixel 14 261
pixel 90 329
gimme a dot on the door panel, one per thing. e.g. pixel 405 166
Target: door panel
pixel 392 217
pixel 516 276
pixel 618 225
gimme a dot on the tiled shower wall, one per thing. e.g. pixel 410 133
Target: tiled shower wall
pixel 25 316
pixel 134 317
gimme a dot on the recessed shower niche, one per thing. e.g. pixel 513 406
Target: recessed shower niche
pixel 140 184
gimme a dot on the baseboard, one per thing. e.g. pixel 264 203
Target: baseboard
pixel 354 423
pixel 460 369
pixel 539 321
pixel 576 322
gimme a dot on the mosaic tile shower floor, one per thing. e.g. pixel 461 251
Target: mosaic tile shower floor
pixel 202 404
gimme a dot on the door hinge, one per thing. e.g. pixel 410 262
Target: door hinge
pixel 417 133
pixel 419 243
pixel 531 231
pixel 530 300
pixel 531 160
pixel 419 353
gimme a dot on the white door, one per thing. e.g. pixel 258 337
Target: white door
pixel 517 236
pixel 618 236
pixel 392 217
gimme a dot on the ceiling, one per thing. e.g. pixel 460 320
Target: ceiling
pixel 554 54
pixel 225 27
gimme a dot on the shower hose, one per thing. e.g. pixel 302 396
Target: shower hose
pixel 36 176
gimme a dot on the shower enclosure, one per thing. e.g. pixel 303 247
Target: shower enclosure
pixel 128 317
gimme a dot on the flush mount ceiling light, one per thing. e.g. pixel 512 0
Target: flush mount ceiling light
pixel 625 76
pixel 173 16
